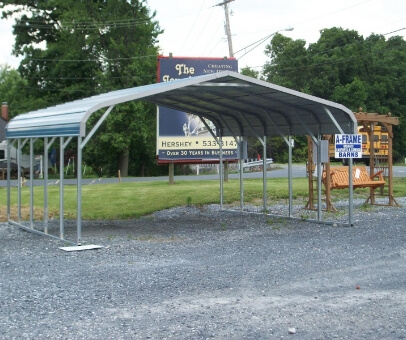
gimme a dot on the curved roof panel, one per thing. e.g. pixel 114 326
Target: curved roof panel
pixel 237 104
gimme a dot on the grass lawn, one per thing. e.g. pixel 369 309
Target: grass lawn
pixel 135 199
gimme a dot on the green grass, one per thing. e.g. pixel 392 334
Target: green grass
pixel 135 199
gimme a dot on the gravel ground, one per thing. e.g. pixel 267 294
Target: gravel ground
pixel 190 273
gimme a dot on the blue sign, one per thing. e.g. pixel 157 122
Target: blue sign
pixel 348 146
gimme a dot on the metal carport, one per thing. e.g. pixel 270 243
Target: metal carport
pixel 238 105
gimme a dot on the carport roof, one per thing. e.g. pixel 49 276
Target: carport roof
pixel 237 104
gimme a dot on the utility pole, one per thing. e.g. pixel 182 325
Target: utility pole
pixel 231 55
pixel 227 27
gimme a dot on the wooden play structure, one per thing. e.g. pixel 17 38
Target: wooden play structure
pixel 378 174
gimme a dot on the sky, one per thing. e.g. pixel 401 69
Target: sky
pixel 195 28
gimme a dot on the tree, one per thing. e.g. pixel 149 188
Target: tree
pixel 247 71
pixel 288 62
pixel 344 67
pixel 74 49
pixel 12 88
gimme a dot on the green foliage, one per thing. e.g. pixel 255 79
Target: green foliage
pixel 352 95
pixel 344 67
pixel 75 49
pixel 12 90
pixel 288 62
pixel 247 71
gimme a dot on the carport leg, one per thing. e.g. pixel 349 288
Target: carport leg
pixel 241 174
pixel 19 180
pixel 350 184
pixel 290 146
pixel 45 185
pixel 79 192
pixel 32 183
pixel 264 178
pixel 9 144
pixel 319 177
pixel 61 189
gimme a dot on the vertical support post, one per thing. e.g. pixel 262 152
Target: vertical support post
pixel 264 178
pixel 350 184
pixel 373 146
pixel 9 180
pixel 45 159
pixel 290 185
pixel 241 157
pixel 390 164
pixel 221 171
pixel 61 187
pixel 309 168
pixel 63 145
pixel 319 177
pixel 32 183
pixel 79 192
pixel 329 205
pixel 19 180
pixel 171 172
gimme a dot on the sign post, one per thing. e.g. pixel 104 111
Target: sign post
pixel 349 147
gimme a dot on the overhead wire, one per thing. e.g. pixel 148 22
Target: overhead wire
pixel 203 28
pixel 123 23
pixel 339 61
pixel 214 36
pixel 130 22
pixel 93 60
pixel 328 62
pixel 305 21
pixel 189 31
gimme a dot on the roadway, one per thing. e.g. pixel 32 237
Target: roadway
pixel 277 171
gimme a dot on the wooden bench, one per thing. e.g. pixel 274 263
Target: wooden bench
pixel 361 178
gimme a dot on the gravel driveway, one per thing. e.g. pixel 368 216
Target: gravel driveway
pixel 204 274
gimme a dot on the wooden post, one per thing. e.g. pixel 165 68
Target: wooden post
pixel 309 167
pixel 392 200
pixel 171 173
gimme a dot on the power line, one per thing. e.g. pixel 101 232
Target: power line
pixel 260 42
pixel 193 25
pixel 77 27
pixel 333 62
pixel 93 60
pixel 400 29
pixel 91 78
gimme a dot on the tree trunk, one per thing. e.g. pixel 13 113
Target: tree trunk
pixel 123 162
pixel 142 170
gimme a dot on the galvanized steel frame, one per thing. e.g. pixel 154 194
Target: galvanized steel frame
pixel 218 98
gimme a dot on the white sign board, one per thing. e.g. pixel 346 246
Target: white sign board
pixel 348 146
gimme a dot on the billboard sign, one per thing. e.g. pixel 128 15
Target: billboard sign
pixel 182 136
